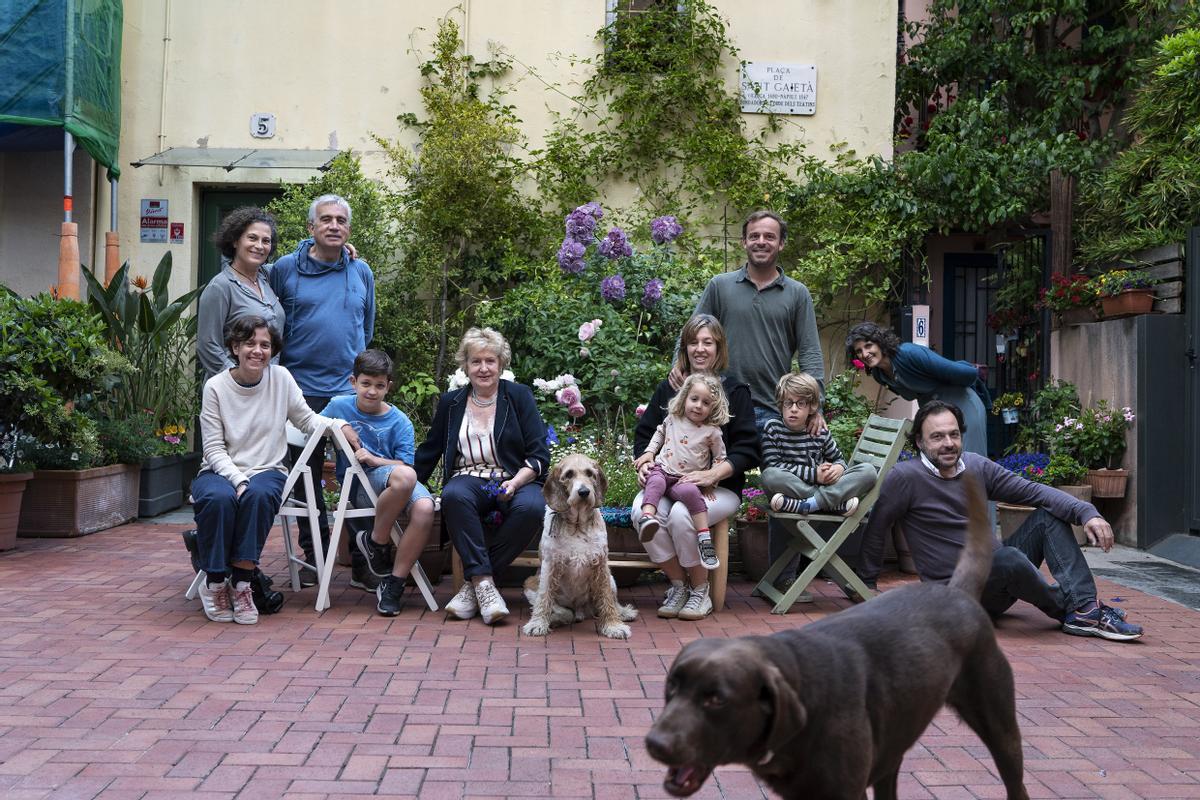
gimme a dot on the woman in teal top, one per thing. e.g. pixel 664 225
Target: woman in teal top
pixel 918 373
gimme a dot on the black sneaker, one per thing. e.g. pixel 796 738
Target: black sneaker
pixel 390 594
pixel 193 548
pixel 266 599
pixel 308 575
pixel 360 574
pixel 378 556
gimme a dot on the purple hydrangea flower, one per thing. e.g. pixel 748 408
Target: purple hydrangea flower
pixel 593 208
pixel 665 229
pixel 615 245
pixel 613 288
pixel 652 293
pixel 570 256
pixel 581 223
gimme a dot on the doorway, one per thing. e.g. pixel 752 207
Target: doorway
pixel 214 205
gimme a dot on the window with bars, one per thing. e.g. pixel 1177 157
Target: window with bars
pixel 634 30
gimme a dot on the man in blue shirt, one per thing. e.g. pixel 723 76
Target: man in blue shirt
pixel 328 299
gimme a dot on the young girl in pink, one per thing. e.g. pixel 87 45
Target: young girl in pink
pixel 688 440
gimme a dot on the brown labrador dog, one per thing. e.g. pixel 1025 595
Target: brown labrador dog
pixel 828 710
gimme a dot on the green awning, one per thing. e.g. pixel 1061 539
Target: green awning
pixel 61 62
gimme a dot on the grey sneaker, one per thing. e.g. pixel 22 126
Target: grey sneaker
pixel 378 556
pixel 244 610
pixel 676 596
pixel 647 528
pixel 491 604
pixel 698 605
pixel 464 605
pixel 215 600
pixel 708 553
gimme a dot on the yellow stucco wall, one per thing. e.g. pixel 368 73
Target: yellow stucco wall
pixel 335 73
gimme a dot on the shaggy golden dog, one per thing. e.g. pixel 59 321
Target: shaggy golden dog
pixel 573 581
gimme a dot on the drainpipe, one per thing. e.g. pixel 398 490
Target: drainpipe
pixel 112 245
pixel 162 88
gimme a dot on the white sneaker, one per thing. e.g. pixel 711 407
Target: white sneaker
pixel 464 605
pixel 708 552
pixel 215 600
pixel 491 604
pixel 244 610
pixel 698 605
pixel 849 507
pixel 677 595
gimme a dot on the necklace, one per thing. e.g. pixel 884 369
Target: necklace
pixel 482 403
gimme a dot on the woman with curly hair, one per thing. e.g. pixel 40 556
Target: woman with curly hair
pixel 246 239
pixel 918 373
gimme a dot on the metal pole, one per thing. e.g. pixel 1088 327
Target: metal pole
pixel 68 174
pixel 112 204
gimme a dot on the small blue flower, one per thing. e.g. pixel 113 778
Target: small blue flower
pixel 665 229
pixel 612 288
pixel 570 256
pixel 652 294
pixel 615 245
pixel 551 436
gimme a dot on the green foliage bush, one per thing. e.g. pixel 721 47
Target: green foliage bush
pixel 846 411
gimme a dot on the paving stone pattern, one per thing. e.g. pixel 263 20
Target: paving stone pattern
pixel 113 686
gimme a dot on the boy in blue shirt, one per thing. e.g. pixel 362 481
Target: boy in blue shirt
pixel 388 446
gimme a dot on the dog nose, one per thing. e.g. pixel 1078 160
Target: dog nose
pixel 584 491
pixel 658 746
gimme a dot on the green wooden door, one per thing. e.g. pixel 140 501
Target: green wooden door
pixel 214 205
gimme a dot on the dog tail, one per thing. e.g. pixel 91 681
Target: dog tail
pixel 975 561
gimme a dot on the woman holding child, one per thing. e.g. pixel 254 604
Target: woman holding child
pixel 674 539
pixel 491 442
pixel 240 485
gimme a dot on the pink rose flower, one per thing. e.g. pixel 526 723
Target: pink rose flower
pixel 640 410
pixel 584 352
pixel 568 395
pixel 858 364
pixel 576 410
pixel 588 329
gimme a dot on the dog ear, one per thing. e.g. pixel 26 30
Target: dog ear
pixel 787 713
pixel 553 490
pixel 601 485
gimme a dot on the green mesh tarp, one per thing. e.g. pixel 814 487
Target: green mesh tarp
pixel 61 62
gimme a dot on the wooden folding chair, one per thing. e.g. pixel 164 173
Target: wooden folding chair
pixel 879 445
pixel 294 509
pixel 346 510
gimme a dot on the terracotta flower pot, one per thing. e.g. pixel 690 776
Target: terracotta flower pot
pixel 1082 492
pixel 12 487
pixel 1011 517
pixel 1128 303
pixel 1107 482
pixel 1077 316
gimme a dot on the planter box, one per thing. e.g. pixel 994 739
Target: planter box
pixel 1128 303
pixel 189 467
pixel 1084 493
pixel 161 485
pixel 60 503
pixel 1077 316
pixel 12 487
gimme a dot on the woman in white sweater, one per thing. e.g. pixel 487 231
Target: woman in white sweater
pixel 240 485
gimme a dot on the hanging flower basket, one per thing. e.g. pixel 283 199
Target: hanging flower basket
pixel 1108 482
pixel 1128 303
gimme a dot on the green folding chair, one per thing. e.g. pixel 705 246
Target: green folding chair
pixel 880 444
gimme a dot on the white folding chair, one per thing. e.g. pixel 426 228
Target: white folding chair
pixel 292 507
pixel 346 510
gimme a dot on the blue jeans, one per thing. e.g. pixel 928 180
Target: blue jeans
pixel 777 538
pixel 231 528
pixel 464 505
pixel 1016 576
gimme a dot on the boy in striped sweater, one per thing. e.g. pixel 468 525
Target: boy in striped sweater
pixel 807 473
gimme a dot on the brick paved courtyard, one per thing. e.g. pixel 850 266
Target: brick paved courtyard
pixel 113 686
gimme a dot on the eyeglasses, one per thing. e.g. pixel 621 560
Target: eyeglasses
pixel 797 404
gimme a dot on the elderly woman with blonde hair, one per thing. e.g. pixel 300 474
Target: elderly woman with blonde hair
pixel 491 442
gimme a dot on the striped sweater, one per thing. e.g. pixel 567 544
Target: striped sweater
pixel 798 452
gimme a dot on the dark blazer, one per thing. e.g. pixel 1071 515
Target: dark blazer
pixel 519 431
pixel 740 433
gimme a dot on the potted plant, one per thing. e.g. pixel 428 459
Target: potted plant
pixel 1096 439
pixel 1124 292
pixel 751 521
pixel 14 475
pixel 1066 474
pixel 1008 407
pixel 1031 466
pixel 141 321
pixel 1072 298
